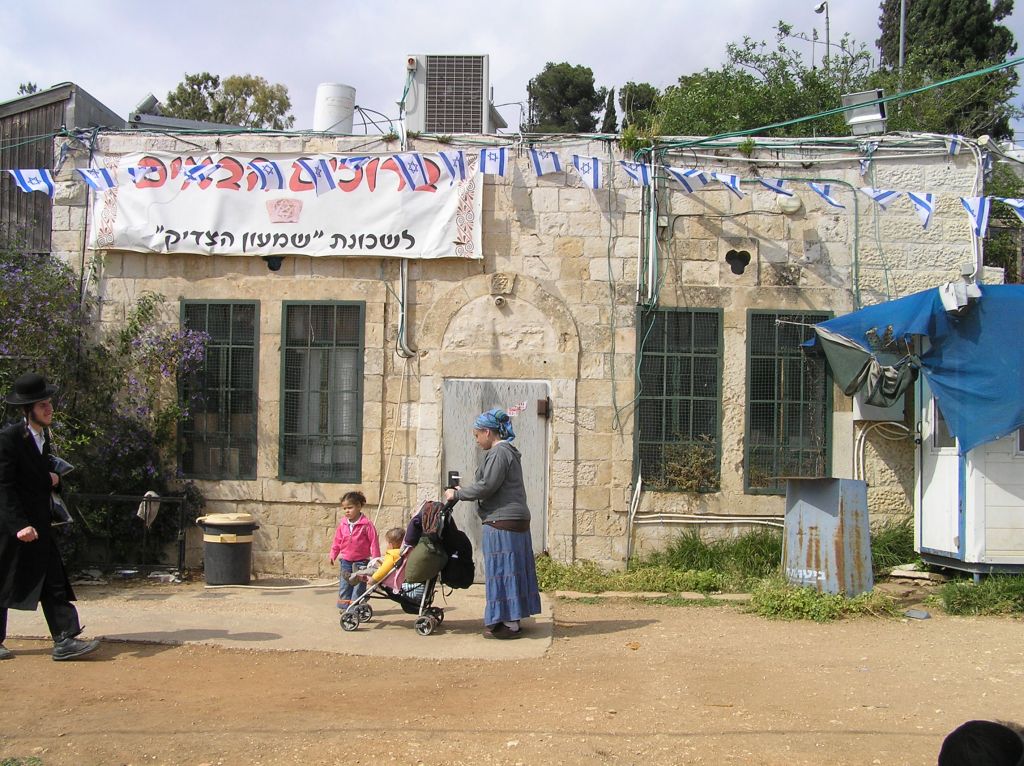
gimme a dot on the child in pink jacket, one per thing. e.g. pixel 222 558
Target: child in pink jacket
pixel 355 543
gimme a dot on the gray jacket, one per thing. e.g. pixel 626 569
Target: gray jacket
pixel 498 486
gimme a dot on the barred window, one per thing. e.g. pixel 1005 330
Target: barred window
pixel 789 401
pixel 322 392
pixel 678 428
pixel 218 438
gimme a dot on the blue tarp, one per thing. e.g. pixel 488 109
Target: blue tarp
pixel 975 364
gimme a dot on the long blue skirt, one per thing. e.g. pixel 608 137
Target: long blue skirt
pixel 510 576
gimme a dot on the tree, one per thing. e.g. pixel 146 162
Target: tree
pixel 27 88
pixel 639 102
pixel 958 31
pixel 610 124
pixel 563 99
pixel 245 100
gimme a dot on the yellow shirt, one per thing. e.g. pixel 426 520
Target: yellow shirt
pixel 391 557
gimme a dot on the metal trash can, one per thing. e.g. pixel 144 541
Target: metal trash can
pixel 227 547
pixel 828 540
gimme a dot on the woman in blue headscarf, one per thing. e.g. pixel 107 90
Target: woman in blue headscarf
pixel 510 574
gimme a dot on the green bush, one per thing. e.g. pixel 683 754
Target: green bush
pixel 740 561
pixel 996 594
pixel 892 544
pixel 588 577
pixel 776 598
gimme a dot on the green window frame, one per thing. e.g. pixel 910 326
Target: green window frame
pixel 218 437
pixel 789 402
pixel 679 400
pixel 322 391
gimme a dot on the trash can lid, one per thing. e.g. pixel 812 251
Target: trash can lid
pixel 226 519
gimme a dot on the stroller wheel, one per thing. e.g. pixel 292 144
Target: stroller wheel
pixel 349 621
pixel 436 613
pixel 364 612
pixel 425 625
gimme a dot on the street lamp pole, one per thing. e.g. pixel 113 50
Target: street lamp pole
pixel 903 40
pixel 822 7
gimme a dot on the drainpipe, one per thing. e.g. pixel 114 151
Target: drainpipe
pixel 402 345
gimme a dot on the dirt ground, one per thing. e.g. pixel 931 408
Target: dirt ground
pixel 623 682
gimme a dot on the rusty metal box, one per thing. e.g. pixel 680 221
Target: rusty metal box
pixel 828 540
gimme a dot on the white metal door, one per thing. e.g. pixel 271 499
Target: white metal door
pixel 463 400
pixel 939 506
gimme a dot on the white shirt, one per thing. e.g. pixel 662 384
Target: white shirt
pixel 38 436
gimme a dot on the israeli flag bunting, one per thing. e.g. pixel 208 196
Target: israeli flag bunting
pixel 143 172
pixel 589 170
pixel 353 163
pixel 691 180
pixel 977 209
pixel 34 180
pixel 269 174
pixel 99 179
pixel 925 204
pixel 777 185
pixel 455 163
pixel 638 172
pixel 1016 204
pixel 545 161
pixel 954 144
pixel 882 197
pixel 825 192
pixel 413 169
pixel 198 173
pixel 732 182
pixel 865 165
pixel 494 160
pixel 320 174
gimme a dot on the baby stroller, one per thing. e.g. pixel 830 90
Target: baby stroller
pixel 433 521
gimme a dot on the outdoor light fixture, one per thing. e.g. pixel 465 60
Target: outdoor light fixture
pixel 864 120
pixel 274 262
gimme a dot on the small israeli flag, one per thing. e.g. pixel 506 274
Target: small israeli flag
pixel 589 170
pixel 40 180
pixel 977 210
pixel 198 173
pixel 954 144
pixel 925 204
pixel 882 197
pixel 494 160
pixel 1016 204
pixel 545 161
pixel 413 170
pixel 732 182
pixel 638 172
pixel 777 185
pixel 691 180
pixel 269 174
pixel 99 179
pixel 825 192
pixel 455 163
pixel 320 175
pixel 353 163
pixel 143 173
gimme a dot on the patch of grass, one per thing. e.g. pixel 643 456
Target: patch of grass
pixel 30 761
pixel 775 598
pixel 892 544
pixel 996 594
pixel 740 561
pixel 588 577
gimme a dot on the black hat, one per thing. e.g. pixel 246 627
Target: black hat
pixel 31 388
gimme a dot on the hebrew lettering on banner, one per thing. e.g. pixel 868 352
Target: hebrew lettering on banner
pixel 248 204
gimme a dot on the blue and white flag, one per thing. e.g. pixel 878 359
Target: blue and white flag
pixel 545 161
pixel 40 180
pixel 143 173
pixel 954 144
pixel 99 179
pixel 269 174
pixel 320 174
pixel 825 192
pixel 589 170
pixel 639 172
pixel 1016 204
pixel 413 169
pixel 494 160
pixel 691 180
pixel 455 163
pixel 925 204
pixel 777 185
pixel 197 173
pixel 882 197
pixel 732 182
pixel 977 210
pixel 353 163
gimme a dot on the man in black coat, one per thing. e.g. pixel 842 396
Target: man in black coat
pixel 31 570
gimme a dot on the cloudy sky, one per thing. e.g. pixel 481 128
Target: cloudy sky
pixel 120 50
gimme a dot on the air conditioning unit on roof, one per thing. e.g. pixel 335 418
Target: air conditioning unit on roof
pixel 450 94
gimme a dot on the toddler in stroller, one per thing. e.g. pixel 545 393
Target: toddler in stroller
pixel 432 528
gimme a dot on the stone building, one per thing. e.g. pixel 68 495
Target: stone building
pixel 635 331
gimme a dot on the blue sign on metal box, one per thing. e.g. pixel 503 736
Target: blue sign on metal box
pixel 828 540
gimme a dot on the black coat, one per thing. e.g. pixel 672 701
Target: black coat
pixel 25 490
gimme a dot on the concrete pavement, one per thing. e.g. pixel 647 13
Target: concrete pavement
pixel 289 617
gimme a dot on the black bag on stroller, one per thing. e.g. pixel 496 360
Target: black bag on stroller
pixel 458 572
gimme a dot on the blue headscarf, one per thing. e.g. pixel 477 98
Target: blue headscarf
pixel 496 420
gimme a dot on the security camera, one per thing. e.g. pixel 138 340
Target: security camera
pixel 499 301
pixel 411 63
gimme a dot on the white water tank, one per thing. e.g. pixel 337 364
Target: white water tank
pixel 334 107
